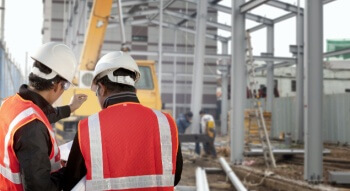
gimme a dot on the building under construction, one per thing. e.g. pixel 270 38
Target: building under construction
pixel 282 122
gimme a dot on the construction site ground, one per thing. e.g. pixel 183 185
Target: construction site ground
pixel 255 176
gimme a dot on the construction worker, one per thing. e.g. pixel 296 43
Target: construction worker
pixel 126 145
pixel 28 149
pixel 184 121
pixel 208 128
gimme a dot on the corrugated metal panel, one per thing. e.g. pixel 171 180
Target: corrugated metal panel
pixel 336 117
pixel 10 75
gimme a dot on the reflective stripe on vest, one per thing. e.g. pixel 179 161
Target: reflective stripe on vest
pixel 6 171
pixel 98 182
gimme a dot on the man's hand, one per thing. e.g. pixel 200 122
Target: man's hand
pixel 76 101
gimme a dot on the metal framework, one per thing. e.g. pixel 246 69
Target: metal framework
pixel 143 12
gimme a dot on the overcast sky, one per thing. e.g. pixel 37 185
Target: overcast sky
pixel 24 19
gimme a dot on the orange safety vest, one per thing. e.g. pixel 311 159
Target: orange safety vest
pixel 127 147
pixel 15 112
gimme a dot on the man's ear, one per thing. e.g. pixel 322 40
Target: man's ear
pixel 56 86
pixel 102 89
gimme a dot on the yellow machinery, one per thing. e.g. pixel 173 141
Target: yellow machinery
pixel 147 86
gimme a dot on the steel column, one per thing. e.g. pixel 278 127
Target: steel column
pixel 313 59
pixel 160 48
pixel 270 72
pixel 300 77
pixel 198 63
pixel 224 88
pixel 174 75
pixel 238 82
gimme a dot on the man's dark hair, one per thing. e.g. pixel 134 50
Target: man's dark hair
pixel 41 84
pixel 202 111
pixel 113 87
pixel 189 114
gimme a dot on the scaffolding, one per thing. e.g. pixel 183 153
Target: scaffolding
pixel 309 74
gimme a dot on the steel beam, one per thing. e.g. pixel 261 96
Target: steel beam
pixel 339 177
pixel 160 46
pixel 250 16
pixel 285 6
pixel 313 163
pixel 249 5
pixel 336 53
pixel 188 17
pixel 278 65
pixel 126 3
pixel 270 69
pixel 300 77
pixel 198 64
pixel 259 19
pixel 238 82
pixel 282 18
pixel 163 8
pixel 176 27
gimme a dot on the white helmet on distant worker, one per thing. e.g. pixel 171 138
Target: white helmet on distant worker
pixel 59 58
pixel 111 62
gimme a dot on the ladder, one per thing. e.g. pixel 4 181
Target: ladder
pixel 252 84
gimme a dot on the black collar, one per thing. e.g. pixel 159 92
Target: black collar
pixel 119 98
pixel 36 98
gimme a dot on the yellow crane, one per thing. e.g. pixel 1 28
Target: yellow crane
pixel 147 87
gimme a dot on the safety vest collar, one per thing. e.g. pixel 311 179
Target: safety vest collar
pixel 98 182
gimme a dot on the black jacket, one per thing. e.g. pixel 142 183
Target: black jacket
pixel 32 145
pixel 76 169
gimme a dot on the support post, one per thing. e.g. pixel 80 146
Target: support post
pixel 224 88
pixel 270 68
pixel 300 78
pixel 238 83
pixel 174 75
pixel 160 46
pixel 313 59
pixel 198 63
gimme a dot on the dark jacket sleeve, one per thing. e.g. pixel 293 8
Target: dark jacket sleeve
pixel 75 169
pixel 179 164
pixel 61 112
pixel 32 146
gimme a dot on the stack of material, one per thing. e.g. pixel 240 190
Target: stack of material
pixel 251 126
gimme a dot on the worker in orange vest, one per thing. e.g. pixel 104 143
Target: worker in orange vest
pixel 126 146
pixel 28 149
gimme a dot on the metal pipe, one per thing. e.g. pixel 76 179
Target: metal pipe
pixel 231 175
pixel 313 161
pixel 205 180
pixel 199 179
pixel 160 48
pixel 238 83
pixel 121 22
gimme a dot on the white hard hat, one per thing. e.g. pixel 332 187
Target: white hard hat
pixel 58 57
pixel 111 62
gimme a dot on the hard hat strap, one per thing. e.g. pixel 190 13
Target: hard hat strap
pixel 121 79
pixel 40 74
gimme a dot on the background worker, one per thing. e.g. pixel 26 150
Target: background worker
pixel 28 149
pixel 126 145
pixel 208 128
pixel 183 122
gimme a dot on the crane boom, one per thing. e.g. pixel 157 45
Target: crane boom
pixel 95 33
